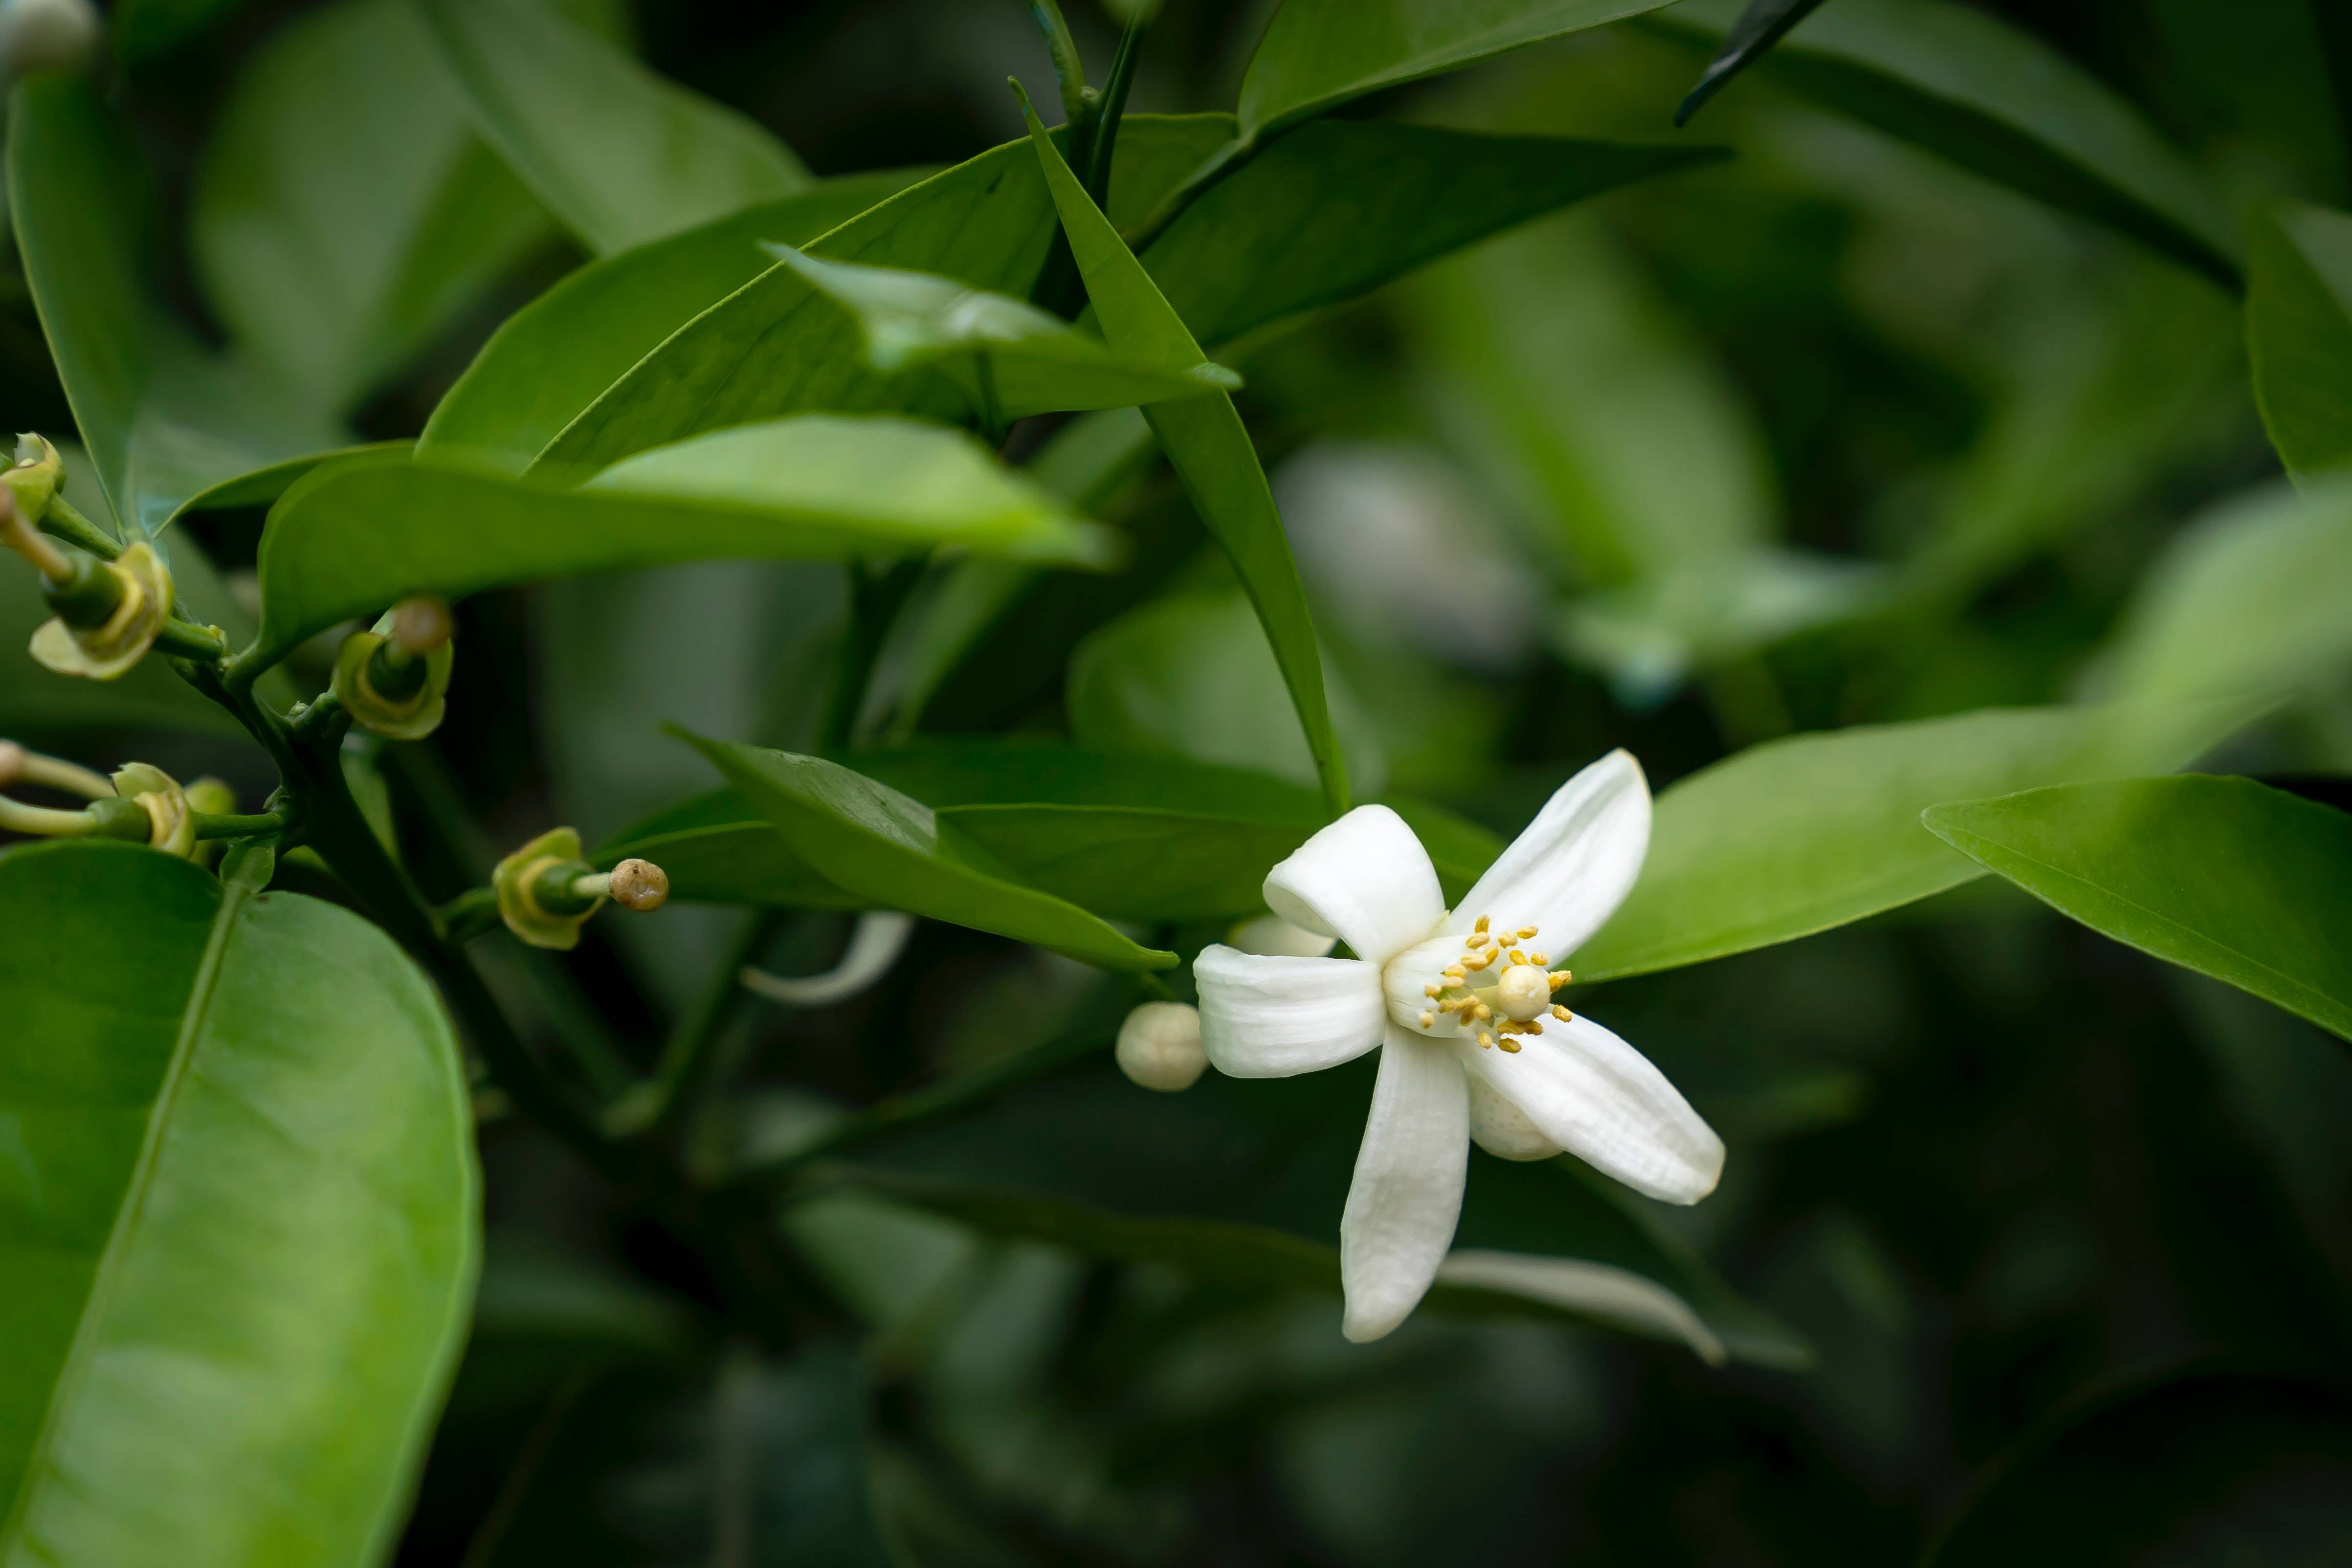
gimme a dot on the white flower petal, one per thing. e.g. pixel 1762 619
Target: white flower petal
pixel 1277 938
pixel 1601 1290
pixel 1271 1017
pixel 1502 1129
pixel 1602 1100
pixel 1364 879
pixel 1407 1193
pixel 1571 868
pixel 874 943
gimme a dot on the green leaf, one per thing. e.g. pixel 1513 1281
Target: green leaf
pixel 875 842
pixel 2248 602
pixel 1009 357
pixel 775 347
pixel 556 356
pixel 718 849
pixel 354 536
pixel 162 418
pixel 2197 1469
pixel 240 1211
pixel 345 212
pixel 619 154
pixel 144 29
pixel 2247 884
pixel 1210 450
pixel 1334 210
pixel 2299 327
pixel 1762 24
pixel 1972 89
pixel 1190 675
pixel 1801 834
pixel 1318 54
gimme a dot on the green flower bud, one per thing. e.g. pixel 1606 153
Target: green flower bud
pixel 35 478
pixel 171 821
pixel 546 891
pixel 134 595
pixel 394 679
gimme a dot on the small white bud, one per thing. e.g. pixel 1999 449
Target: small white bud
pixel 47 34
pixel 1159 1046
pixel 1272 936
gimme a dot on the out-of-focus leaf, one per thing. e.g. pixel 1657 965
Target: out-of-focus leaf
pixel 262 486
pixel 226 1344
pixel 1973 88
pixel 774 346
pixel 2200 1470
pixel 1211 451
pixel 556 355
pixel 1318 54
pixel 1009 357
pixel 2245 884
pixel 162 418
pixel 2247 602
pixel 1762 24
pixel 362 533
pixel 757 1461
pixel 893 853
pixel 145 28
pixel 1801 834
pixel 2299 325
pixel 1603 419
pixel 344 210
pixel 620 155
pixel 1192 675
pixel 1336 209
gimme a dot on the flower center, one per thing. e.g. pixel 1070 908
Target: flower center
pixel 1497 988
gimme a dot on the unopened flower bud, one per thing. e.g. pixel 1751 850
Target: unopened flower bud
pixel 34 477
pixel 1159 1046
pixel 171 821
pixel 394 679
pixel 547 892
pixel 47 34
pixel 109 612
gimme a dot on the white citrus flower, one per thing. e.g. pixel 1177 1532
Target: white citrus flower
pixel 1476 1046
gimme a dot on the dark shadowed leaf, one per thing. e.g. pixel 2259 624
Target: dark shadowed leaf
pixel 238 1217
pixel 1764 24
pixel 2299 327
pixel 2245 884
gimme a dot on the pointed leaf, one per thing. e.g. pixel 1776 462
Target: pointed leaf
pixel 1979 91
pixel 619 154
pixel 1318 54
pixel 344 210
pixel 1799 835
pixel 894 852
pixel 556 355
pixel 1204 439
pixel 2299 327
pixel 1010 358
pixel 354 536
pixel 2247 884
pixel 1764 24
pixel 238 1219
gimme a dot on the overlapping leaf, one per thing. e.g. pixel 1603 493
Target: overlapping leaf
pixel 238 1217
pixel 2246 883
pixel 2299 327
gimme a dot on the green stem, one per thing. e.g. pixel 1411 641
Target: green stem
pixel 875 600
pixel 209 826
pixel 184 640
pixel 61 521
pixel 468 914
pixel 1113 109
pixel 1068 70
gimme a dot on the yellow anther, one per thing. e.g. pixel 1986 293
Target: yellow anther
pixel 1561 978
pixel 1481 925
pixel 1517 957
pixel 1480 960
pixel 1433 990
pixel 1486 1040
pixel 1482 1012
pixel 1527 933
pixel 1563 1014
pixel 1453 971
pixel 1539 960
pixel 1511 1045
pixel 1428 1020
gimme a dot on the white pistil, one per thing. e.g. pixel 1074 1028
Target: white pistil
pixel 1513 994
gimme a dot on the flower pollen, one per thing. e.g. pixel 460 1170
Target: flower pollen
pixel 1512 999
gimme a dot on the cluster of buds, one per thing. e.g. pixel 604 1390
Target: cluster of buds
pixel 1497 989
pixel 547 890
pixel 140 804
pixel 395 678
pixel 109 612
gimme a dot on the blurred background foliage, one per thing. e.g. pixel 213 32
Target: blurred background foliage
pixel 1823 433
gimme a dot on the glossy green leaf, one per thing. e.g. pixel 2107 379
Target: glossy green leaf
pixel 875 842
pixel 2247 602
pixel 619 154
pixel 1192 675
pixel 238 1216
pixel 1210 450
pixel 357 534
pixel 344 210
pixel 1762 24
pixel 718 849
pixel 1801 834
pixel 1011 359
pixel 1334 210
pixel 774 347
pixel 2246 883
pixel 162 418
pixel 2299 327
pixel 2205 1469
pixel 557 355
pixel 1981 92
pixel 1318 54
